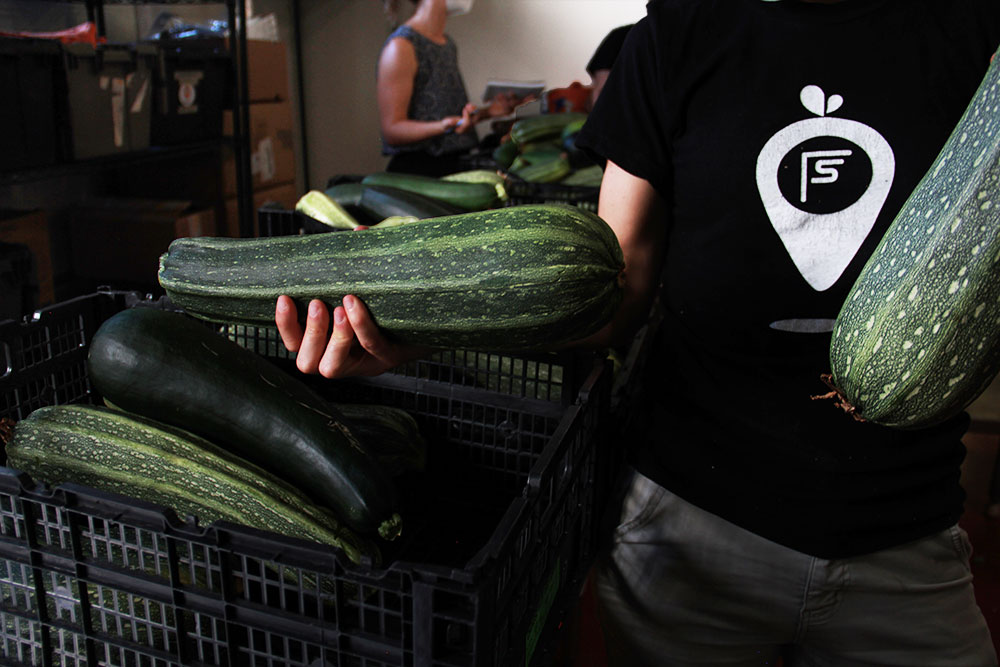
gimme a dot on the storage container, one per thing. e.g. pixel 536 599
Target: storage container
pixel 109 95
pixel 190 89
pixel 31 78
pixel 499 530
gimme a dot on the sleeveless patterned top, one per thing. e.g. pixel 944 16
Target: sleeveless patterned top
pixel 438 91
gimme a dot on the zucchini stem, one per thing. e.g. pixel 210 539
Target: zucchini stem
pixel 840 400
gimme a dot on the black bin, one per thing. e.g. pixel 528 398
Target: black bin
pixel 190 84
pixel 108 91
pixel 29 76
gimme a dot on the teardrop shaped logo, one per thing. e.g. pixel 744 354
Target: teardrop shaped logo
pixel 823 182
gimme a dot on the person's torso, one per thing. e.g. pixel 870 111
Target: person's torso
pixel 788 135
pixel 438 91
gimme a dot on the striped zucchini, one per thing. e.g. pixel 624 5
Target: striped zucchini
pixel 551 170
pixel 543 126
pixel 918 337
pixel 517 278
pixel 140 458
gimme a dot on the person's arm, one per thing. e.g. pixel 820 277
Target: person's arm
pixel 397 68
pixel 637 214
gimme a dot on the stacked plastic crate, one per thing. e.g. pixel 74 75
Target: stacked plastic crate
pixel 501 526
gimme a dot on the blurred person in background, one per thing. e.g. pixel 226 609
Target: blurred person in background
pixel 600 64
pixel 426 119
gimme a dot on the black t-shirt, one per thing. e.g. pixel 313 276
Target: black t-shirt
pixel 607 52
pixel 784 136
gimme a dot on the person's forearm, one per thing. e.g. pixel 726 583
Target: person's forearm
pixel 637 214
pixel 408 131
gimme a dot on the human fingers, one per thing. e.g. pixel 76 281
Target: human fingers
pixel 337 360
pixel 315 337
pixel 380 351
pixel 287 320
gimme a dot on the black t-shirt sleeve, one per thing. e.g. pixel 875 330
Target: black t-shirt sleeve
pixel 606 54
pixel 630 122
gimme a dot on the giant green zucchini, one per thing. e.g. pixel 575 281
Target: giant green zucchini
pixel 140 458
pixel 918 337
pixel 465 196
pixel 173 369
pixel 517 278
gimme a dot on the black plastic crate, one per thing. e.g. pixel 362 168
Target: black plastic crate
pixel 524 192
pixel 501 527
pixel 189 91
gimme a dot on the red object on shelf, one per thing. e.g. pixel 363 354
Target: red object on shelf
pixel 85 32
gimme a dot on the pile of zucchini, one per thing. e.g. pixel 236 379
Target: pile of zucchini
pixel 201 425
pixel 386 199
pixel 542 149
pixel 539 149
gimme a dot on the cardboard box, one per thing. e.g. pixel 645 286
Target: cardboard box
pixel 267 71
pixel 285 194
pixel 272 147
pixel 31 228
pixel 118 242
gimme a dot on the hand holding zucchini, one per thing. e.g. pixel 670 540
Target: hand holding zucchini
pixel 167 367
pixel 513 279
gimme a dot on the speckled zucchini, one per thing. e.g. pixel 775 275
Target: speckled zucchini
pixel 140 458
pixel 518 278
pixel 918 337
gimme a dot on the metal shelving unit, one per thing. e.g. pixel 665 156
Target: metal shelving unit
pixel 236 16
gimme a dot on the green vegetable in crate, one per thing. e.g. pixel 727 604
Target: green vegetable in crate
pixel 918 337
pixel 171 368
pixel 465 196
pixel 321 207
pixel 482 176
pixel 141 458
pixel 391 434
pixel 345 194
pixel 516 278
pixel 505 154
pixel 552 170
pixel 380 202
pixel 587 177
pixel 572 128
pixel 543 126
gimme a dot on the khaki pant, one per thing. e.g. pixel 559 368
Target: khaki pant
pixel 682 587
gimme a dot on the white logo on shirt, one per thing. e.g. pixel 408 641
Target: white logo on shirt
pixel 815 165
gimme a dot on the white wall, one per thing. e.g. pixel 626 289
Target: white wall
pixel 517 39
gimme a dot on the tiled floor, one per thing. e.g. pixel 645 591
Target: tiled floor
pixel 984 533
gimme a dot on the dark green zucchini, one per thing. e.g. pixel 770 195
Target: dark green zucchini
pixel 381 202
pixel 516 278
pixel 170 368
pixel 346 194
pixel 464 196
